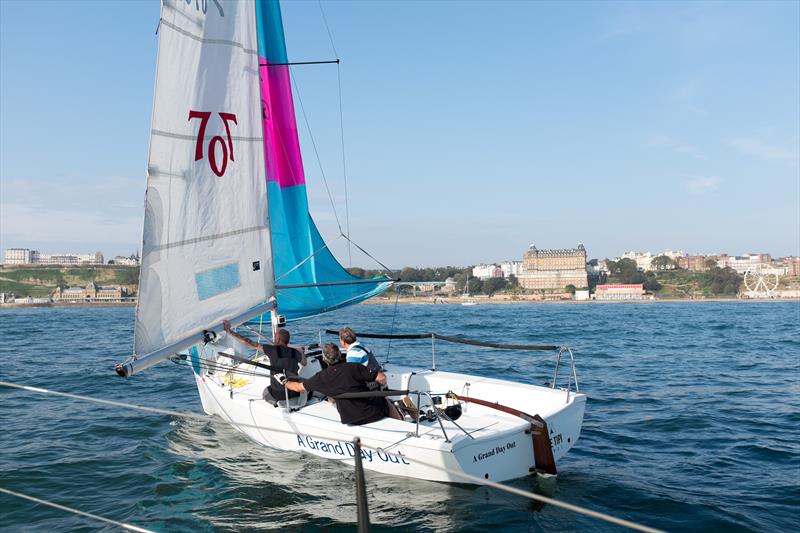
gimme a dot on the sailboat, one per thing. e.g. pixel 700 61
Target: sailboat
pixel 228 237
pixel 465 294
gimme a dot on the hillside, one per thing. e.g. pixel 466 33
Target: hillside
pixel 42 280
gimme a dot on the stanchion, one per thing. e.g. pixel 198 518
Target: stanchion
pixel 361 490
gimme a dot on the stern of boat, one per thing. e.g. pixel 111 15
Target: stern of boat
pixel 564 425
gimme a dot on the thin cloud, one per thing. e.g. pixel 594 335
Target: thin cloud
pixel 108 210
pixel 703 184
pixel 762 150
pixel 662 141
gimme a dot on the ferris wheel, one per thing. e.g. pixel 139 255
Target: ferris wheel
pixel 761 282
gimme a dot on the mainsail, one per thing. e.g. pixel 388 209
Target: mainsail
pixel 206 252
pixel 308 277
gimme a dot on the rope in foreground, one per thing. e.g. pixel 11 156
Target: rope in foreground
pixel 123 525
pixel 480 481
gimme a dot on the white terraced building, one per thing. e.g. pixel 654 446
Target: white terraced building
pixel 26 256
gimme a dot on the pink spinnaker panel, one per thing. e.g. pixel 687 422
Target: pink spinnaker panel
pixel 281 144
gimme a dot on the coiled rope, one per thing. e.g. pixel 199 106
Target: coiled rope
pixel 473 479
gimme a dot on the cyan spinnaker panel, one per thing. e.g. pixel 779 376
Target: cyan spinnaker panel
pixel 300 256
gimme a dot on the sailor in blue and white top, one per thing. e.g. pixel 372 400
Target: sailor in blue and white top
pixel 357 352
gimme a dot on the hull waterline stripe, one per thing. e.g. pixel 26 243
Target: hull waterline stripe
pixel 479 481
pixel 123 525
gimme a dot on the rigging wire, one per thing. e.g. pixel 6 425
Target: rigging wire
pixel 40 501
pixel 341 132
pixel 325 20
pixel 394 315
pixel 344 166
pixel 387 269
pixel 296 87
pixel 468 477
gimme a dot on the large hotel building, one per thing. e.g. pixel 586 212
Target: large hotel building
pixel 554 269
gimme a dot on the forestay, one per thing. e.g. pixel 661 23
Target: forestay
pixel 206 251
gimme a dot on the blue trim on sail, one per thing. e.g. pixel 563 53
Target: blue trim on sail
pixel 217 280
pixel 195 360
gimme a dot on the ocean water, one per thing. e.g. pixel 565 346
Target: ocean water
pixel 692 424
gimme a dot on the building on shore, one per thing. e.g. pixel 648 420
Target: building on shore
pixel 742 263
pixel 695 263
pixel 90 293
pixel 619 292
pixel 582 295
pixel 131 260
pixel 792 266
pixel 511 268
pixel 26 256
pixel 554 269
pixel 643 260
pixel 483 272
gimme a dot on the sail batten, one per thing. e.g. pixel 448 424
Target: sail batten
pixel 206 253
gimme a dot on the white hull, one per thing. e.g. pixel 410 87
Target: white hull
pixel 500 450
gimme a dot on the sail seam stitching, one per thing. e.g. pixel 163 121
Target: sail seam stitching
pixel 208 238
pixel 193 138
pixel 208 41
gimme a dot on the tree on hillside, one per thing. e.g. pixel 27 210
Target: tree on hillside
pixel 474 285
pixel 513 282
pixel 650 283
pixel 625 271
pixel 570 289
pixel 710 263
pixel 723 281
pixel 662 262
pixel 493 285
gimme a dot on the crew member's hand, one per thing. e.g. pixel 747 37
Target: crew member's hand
pixel 226 325
pixel 381 378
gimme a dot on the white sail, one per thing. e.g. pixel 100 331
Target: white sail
pixel 206 252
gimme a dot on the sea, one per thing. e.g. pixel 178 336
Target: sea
pixel 692 424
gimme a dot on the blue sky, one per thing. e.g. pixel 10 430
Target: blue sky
pixel 472 129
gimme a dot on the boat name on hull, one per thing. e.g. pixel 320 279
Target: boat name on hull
pixel 346 449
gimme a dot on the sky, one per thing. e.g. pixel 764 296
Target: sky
pixel 471 129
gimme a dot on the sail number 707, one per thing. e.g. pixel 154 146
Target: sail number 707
pixel 218 167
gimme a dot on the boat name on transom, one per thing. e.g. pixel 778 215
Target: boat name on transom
pixel 497 450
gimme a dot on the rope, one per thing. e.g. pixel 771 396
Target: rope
pixel 446 338
pixel 123 525
pixel 480 481
pixel 391 330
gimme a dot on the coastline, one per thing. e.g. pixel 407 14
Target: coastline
pixel 449 301
pixel 69 305
pixel 505 301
